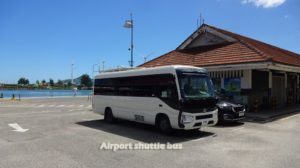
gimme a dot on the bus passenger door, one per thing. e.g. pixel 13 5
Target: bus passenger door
pixel 169 103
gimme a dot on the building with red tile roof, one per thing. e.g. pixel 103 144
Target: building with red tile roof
pixel 249 70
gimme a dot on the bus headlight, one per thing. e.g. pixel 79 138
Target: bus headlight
pixel 187 119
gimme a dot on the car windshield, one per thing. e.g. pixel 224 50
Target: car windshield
pixel 196 86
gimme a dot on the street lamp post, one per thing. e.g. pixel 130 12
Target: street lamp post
pixel 131 50
pixel 129 24
pixel 72 65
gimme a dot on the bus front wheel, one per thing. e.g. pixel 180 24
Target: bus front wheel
pixel 163 124
pixel 109 117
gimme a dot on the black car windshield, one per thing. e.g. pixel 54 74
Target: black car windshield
pixel 195 86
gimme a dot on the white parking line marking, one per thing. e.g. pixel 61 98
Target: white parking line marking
pixel 28 113
pixel 50 111
pixel 236 129
pixel 17 127
pixel 88 119
pixel 61 105
pixel 81 105
pixel 199 139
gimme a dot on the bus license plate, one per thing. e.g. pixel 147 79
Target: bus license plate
pixel 241 114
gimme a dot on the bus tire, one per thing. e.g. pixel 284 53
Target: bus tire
pixel 163 124
pixel 108 116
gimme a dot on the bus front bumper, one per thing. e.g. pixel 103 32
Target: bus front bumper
pixel 197 120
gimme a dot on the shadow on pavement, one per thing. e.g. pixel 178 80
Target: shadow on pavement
pixel 229 124
pixel 144 133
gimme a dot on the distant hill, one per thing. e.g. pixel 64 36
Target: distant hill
pixel 77 81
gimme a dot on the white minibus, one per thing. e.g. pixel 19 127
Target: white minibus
pixel 169 97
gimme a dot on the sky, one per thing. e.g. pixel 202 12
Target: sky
pixel 40 39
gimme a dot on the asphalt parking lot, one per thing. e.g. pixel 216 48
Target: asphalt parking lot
pixel 64 132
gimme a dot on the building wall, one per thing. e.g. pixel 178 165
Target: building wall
pixel 292 88
pixel 260 87
pixel 298 88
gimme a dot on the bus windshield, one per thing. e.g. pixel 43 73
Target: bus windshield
pixel 195 86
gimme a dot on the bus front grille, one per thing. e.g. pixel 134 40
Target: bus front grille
pixel 204 116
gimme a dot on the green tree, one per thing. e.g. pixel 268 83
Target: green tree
pixel 43 82
pixel 51 82
pixel 38 83
pixel 23 81
pixel 69 83
pixel 60 83
pixel 86 80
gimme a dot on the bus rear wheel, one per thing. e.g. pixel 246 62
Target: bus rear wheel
pixel 163 124
pixel 109 117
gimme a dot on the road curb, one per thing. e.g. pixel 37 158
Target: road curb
pixel 272 118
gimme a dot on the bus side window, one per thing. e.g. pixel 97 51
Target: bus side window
pixel 167 87
pixel 168 92
pixel 164 94
pixel 143 86
pixel 123 86
pixel 104 87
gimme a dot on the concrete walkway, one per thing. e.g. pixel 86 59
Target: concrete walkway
pixel 271 115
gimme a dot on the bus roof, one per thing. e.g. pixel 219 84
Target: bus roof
pixel 149 71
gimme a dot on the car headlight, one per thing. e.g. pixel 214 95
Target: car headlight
pixel 225 106
pixel 187 119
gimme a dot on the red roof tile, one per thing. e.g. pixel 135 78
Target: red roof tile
pixel 244 50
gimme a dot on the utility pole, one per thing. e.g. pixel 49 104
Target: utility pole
pixel 103 62
pixel 94 70
pixel 200 20
pixel 146 56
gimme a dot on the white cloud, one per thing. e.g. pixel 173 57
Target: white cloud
pixel 265 3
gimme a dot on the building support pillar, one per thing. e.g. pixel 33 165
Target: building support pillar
pixel 298 90
pixel 270 88
pixel 270 79
pixel 246 87
pixel 285 86
pixel 222 83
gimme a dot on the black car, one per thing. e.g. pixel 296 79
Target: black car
pixel 230 111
